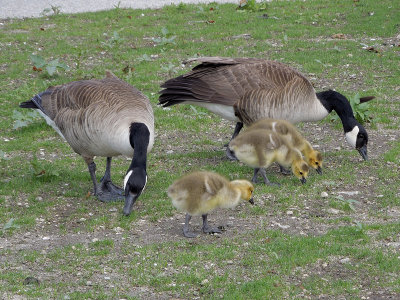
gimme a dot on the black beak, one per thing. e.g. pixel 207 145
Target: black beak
pixel 319 170
pixel 363 152
pixel 251 201
pixel 130 199
pixel 303 180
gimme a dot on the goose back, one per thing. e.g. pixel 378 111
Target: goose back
pixel 94 116
pixel 255 88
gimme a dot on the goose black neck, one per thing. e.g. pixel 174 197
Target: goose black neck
pixel 333 100
pixel 139 136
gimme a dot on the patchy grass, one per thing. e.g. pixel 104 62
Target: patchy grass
pixel 294 243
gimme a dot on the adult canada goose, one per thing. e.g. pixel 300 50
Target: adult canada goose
pixel 107 117
pixel 248 89
pixel 198 193
pixel 259 148
pixel 293 137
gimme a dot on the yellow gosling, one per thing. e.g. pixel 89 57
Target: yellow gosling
pixel 260 148
pixel 293 137
pixel 199 193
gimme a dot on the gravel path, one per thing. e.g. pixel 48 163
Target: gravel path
pixel 34 8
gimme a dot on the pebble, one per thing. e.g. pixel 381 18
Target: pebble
pixel 350 193
pixel 333 211
pixel 289 212
pixel 344 260
pixel 324 194
pixel 89 283
pixel 204 282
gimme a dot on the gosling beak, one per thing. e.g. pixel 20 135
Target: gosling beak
pixel 251 201
pixel 319 170
pixel 303 180
pixel 363 152
pixel 130 199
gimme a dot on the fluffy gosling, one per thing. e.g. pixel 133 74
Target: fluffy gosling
pixel 260 148
pixel 199 193
pixel 293 137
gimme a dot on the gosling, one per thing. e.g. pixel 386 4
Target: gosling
pixel 199 193
pixel 293 137
pixel 260 148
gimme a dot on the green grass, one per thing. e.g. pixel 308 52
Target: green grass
pixel 81 248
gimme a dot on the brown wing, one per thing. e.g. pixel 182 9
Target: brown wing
pixel 256 88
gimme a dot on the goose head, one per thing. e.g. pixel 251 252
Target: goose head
pixel 314 160
pixel 134 184
pixel 136 177
pixel 355 133
pixel 357 137
pixel 246 189
pixel 300 170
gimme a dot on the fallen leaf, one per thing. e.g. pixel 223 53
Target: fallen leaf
pixel 340 36
pixel 129 17
pixel 372 49
pixel 127 69
pixel 210 21
pixel 41 28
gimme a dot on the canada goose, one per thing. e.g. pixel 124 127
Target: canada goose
pixel 293 137
pixel 107 117
pixel 259 148
pixel 200 192
pixel 248 89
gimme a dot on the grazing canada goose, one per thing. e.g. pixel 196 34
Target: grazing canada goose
pixel 260 148
pixel 293 137
pixel 107 117
pixel 198 193
pixel 248 89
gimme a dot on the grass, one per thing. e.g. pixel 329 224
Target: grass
pixel 292 244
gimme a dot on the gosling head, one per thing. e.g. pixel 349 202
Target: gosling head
pixel 300 170
pixel 246 189
pixel 314 160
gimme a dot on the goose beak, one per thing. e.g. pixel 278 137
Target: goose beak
pixel 303 180
pixel 251 201
pixel 363 152
pixel 130 199
pixel 319 170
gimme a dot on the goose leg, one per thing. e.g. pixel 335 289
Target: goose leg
pixel 101 191
pixel 107 183
pixel 207 228
pixel 229 153
pixel 186 231
pixel 266 180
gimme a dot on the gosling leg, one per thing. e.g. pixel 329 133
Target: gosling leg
pixel 207 228
pixel 266 180
pixel 186 231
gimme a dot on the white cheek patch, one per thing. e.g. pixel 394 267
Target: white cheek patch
pixel 127 177
pixel 351 136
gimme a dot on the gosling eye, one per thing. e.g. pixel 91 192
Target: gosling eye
pixel 316 163
pixel 301 173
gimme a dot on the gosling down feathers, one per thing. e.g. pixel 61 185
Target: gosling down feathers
pixel 199 193
pixel 107 117
pixel 293 137
pixel 248 89
pixel 260 148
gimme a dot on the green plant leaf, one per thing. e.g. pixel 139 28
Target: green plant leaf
pixel 38 61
